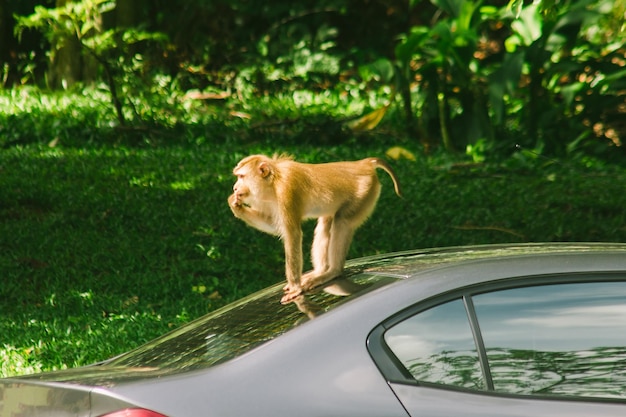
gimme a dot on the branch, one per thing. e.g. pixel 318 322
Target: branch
pixel 491 228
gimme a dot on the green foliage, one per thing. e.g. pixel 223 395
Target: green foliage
pixel 451 75
pixel 81 20
pixel 567 71
pixel 543 72
pixel 548 74
pixel 114 49
pixel 311 56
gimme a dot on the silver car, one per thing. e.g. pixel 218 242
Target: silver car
pixel 517 330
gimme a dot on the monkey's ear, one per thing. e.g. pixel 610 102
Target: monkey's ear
pixel 264 169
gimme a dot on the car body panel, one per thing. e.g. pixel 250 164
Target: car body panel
pixel 280 376
pixel 322 364
pixel 278 381
pixel 426 401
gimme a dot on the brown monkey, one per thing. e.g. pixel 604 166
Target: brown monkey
pixel 276 194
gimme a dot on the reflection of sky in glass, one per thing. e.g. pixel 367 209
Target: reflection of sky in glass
pixel 441 329
pixel 568 317
pixel 437 346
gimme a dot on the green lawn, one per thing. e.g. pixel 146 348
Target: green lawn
pixel 105 243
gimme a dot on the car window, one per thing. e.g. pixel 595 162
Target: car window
pixel 556 339
pixel 565 339
pixel 437 346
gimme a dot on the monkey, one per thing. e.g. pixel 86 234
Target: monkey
pixel 275 195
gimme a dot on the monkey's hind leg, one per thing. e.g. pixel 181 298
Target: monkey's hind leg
pixel 341 233
pixel 321 243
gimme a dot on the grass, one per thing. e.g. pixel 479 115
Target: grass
pixel 109 238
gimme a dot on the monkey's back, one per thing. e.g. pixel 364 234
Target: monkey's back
pixel 330 187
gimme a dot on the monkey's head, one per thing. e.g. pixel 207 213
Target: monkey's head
pixel 254 175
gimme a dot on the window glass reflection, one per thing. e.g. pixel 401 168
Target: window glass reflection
pixel 556 339
pixel 437 346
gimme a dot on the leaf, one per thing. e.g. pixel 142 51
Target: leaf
pixel 411 44
pixel 368 121
pixel 381 68
pixel 134 36
pixel 398 152
pixel 504 81
pixel 465 14
pixel 529 26
pixel 576 16
pixel 516 7
pixel 452 7
pixel 569 92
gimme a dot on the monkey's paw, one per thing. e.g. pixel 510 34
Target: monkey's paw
pixel 236 204
pixel 312 280
pixel 291 293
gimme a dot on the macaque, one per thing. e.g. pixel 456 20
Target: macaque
pixel 276 194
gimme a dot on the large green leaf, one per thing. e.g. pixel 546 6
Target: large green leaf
pixel 504 81
pixel 529 26
pixel 381 68
pixel 410 44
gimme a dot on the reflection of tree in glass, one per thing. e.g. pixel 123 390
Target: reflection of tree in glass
pixel 460 369
pixel 599 372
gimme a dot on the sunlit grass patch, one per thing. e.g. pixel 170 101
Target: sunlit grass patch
pixel 14 361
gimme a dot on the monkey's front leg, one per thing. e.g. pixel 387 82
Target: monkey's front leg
pixel 292 238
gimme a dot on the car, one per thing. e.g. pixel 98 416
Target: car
pixel 494 330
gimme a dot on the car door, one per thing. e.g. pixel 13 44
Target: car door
pixel 549 346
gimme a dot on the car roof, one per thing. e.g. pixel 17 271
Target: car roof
pixel 437 271
pixel 409 263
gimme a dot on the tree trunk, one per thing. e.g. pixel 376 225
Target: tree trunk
pixel 65 66
pixel 128 13
pixel 5 40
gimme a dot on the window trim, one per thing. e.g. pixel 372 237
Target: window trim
pixel 395 372
pixel 483 359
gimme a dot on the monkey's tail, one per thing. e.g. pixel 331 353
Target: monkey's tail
pixel 382 164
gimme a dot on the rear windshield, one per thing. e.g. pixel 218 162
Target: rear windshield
pixel 244 325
